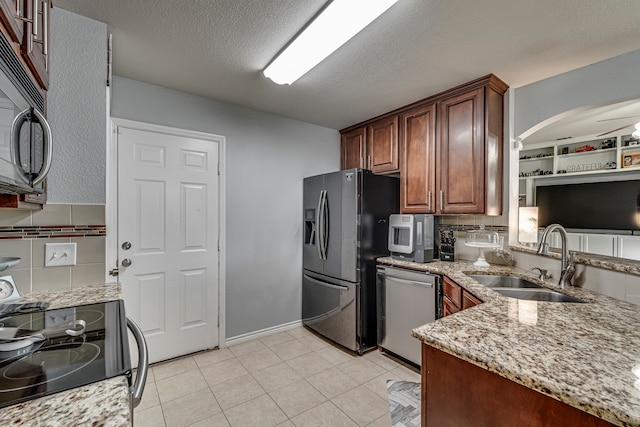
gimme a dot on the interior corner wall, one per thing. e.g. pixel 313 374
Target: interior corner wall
pixel 77 109
pixel 267 156
pixel 614 79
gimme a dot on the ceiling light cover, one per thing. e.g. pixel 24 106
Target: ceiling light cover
pixel 337 23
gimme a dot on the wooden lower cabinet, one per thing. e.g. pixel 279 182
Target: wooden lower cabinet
pixel 455 298
pixel 457 393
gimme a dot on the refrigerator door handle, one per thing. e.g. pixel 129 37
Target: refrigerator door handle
pixel 325 225
pixel 319 226
pixel 325 284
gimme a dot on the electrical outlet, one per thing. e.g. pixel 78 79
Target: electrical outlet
pixel 58 254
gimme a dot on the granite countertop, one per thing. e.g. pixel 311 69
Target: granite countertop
pixel 105 403
pixel 583 355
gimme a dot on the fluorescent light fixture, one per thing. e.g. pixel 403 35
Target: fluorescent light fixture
pixel 333 27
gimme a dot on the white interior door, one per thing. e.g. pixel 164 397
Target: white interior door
pixel 168 200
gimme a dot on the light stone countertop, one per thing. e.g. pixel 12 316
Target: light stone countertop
pixel 580 354
pixel 105 403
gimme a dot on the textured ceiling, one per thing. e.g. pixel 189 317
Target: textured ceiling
pixel 217 49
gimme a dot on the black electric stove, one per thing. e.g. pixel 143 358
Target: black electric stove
pixel 35 367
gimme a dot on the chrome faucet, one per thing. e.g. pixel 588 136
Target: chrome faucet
pixel 568 258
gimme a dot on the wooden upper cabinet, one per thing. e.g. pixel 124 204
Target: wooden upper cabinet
pixel 35 44
pixel 352 149
pixel 449 149
pixel 461 159
pixel 11 12
pixel 382 145
pixel 418 160
pixel 470 130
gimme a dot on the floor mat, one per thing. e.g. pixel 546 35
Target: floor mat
pixel 404 403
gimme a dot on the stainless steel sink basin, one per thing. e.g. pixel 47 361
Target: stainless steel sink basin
pixel 542 294
pixel 519 288
pixel 503 281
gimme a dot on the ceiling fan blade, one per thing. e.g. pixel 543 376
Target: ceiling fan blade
pixel 617 118
pixel 615 130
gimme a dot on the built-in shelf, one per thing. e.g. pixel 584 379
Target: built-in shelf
pixel 559 159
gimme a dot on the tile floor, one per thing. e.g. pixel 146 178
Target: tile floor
pixel 292 378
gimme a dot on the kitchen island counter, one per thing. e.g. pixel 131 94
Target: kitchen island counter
pixel 104 403
pixel 583 355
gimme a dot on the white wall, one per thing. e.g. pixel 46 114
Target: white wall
pixel 602 83
pixel 77 108
pixel 267 157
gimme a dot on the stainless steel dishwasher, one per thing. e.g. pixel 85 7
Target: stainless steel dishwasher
pixel 406 299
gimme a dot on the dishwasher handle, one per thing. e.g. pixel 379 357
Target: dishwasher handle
pixel 407 282
pixel 143 363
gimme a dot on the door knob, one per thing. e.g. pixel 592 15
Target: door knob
pixel 126 246
pixel 126 262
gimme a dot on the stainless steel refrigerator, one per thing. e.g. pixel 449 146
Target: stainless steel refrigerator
pixel 346 222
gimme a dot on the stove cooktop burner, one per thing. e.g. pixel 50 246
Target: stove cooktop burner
pixel 60 362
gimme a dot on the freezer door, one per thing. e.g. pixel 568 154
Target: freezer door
pixel 329 307
pixel 313 188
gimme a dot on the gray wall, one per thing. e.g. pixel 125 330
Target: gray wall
pixel 602 83
pixel 267 157
pixel 77 109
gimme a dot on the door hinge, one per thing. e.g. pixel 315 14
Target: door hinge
pixel 218 245
pixel 218 319
pixel 218 169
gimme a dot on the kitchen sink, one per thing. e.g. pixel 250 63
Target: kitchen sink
pixel 519 288
pixel 503 281
pixel 542 294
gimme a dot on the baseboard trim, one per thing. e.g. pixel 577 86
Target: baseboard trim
pixel 239 339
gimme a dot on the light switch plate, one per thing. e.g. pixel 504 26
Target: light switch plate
pixel 59 254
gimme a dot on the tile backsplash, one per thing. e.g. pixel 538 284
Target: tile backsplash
pixel 23 233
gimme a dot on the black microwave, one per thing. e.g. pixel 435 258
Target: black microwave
pixel 25 135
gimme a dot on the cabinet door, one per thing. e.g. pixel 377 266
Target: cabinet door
pixel 629 247
pixel 462 154
pixel 418 160
pixel 468 300
pixel 36 40
pixel 601 244
pixel 448 307
pixel 10 12
pixel 352 145
pixel 382 145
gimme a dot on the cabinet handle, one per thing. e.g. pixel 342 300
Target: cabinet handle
pixel 430 200
pixel 441 200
